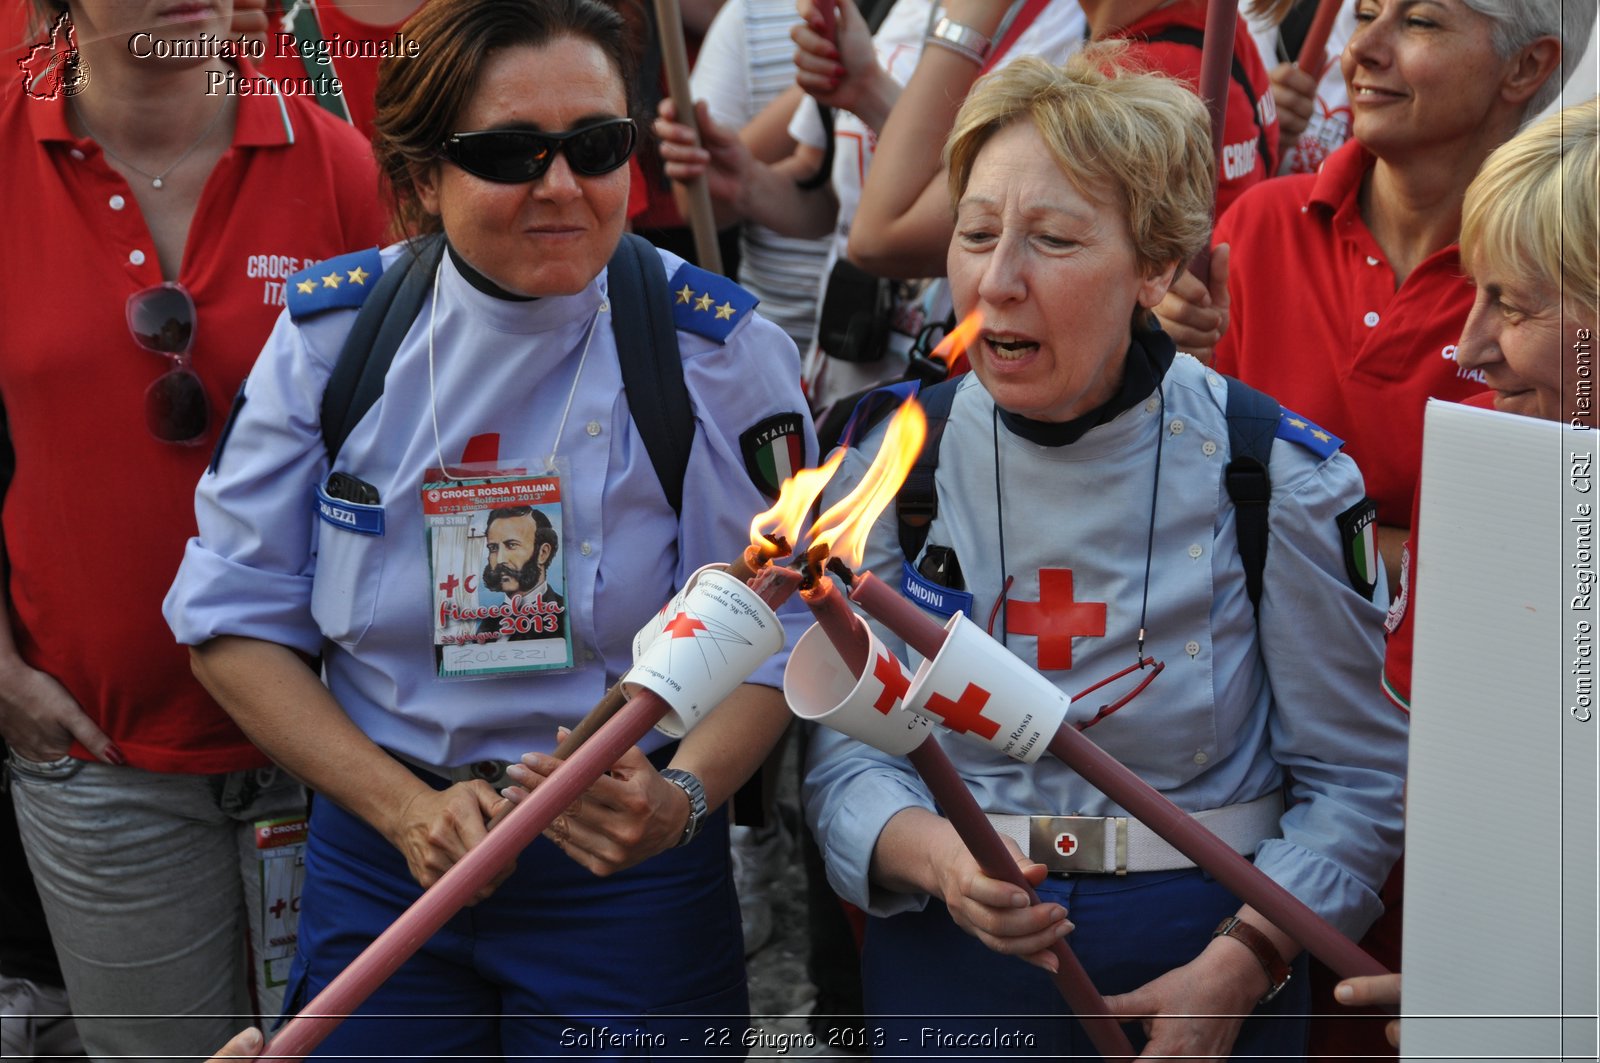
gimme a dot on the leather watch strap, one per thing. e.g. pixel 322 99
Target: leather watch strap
pixel 1266 953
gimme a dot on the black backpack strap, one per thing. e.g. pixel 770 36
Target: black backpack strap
pixel 652 368
pixel 917 502
pixel 1196 39
pixel 1252 425
pixel 380 326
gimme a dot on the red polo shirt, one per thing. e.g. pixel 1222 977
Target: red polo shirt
pixel 1242 165
pixel 358 77
pixel 97 514
pixel 1318 323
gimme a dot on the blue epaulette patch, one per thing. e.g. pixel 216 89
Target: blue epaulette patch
pixel 1297 429
pixel 707 304
pixel 338 282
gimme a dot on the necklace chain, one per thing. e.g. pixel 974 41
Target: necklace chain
pixel 157 180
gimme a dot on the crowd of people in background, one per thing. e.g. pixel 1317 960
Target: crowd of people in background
pixel 235 763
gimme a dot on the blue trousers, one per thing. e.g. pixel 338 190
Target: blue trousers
pixel 555 962
pixel 933 991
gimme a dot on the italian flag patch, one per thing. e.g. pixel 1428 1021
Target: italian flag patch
pixel 1358 536
pixel 774 450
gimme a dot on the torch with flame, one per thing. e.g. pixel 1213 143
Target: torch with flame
pixel 952 350
pixel 842 532
pixel 846 537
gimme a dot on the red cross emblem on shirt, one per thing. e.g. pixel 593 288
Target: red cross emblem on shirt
pixel 683 626
pixel 1066 844
pixel 1055 618
pixel 965 713
pixel 895 683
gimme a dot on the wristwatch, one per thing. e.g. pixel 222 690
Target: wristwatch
pixel 1266 953
pixel 696 793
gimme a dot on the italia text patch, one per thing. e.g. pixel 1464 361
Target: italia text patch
pixel 1358 538
pixel 774 450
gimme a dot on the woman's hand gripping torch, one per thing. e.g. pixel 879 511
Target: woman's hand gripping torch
pixel 672 684
pixel 840 675
pixel 954 654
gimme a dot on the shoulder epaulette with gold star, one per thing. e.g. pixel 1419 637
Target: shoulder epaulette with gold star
pixel 707 304
pixel 337 282
pixel 1297 429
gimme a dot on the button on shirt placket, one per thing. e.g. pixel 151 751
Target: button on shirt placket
pixel 1376 287
pixel 127 227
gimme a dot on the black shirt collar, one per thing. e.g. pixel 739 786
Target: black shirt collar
pixel 1149 357
pixel 482 283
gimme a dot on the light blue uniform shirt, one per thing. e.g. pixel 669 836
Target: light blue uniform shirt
pixel 1233 715
pixel 265 566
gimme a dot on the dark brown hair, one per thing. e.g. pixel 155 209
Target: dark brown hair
pixel 419 99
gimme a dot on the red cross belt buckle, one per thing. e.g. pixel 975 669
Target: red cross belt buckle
pixel 1077 844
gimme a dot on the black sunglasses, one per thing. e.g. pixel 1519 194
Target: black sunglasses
pixel 161 319
pixel 515 156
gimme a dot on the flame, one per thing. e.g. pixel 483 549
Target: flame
pixel 845 526
pixel 953 347
pixel 795 499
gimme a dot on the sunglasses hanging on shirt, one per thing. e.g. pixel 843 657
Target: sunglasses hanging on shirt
pixel 516 156
pixel 161 319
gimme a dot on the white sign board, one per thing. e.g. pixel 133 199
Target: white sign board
pixel 1500 948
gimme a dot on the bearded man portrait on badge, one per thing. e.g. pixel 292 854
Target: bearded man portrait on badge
pixel 522 543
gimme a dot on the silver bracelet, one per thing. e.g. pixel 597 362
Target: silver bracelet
pixel 963 40
pixel 690 784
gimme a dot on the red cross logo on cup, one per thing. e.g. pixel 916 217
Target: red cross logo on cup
pixel 1066 843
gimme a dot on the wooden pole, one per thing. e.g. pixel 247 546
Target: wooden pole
pixel 1216 63
pixel 675 57
pixel 1314 50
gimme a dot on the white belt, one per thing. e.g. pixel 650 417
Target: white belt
pixel 1104 845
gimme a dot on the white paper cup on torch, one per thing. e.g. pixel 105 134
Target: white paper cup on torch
pixel 871 709
pixel 720 633
pixel 980 690
pixel 652 630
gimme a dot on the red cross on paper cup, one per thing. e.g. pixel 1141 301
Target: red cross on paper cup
pixel 652 631
pixel 819 687
pixel 718 635
pixel 1066 843
pixel 981 691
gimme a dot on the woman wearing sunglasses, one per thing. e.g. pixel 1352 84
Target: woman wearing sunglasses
pixel 151 226
pixel 509 134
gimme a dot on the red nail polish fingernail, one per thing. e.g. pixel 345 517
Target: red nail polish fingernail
pixel 113 755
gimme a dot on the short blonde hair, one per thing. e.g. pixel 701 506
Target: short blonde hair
pixel 1143 134
pixel 1534 208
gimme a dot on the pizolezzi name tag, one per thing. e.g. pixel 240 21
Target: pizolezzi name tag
pixel 351 516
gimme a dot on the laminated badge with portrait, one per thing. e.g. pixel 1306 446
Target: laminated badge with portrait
pixel 498 573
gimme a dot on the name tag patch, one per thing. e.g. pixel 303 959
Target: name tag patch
pixel 932 597
pixel 351 516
